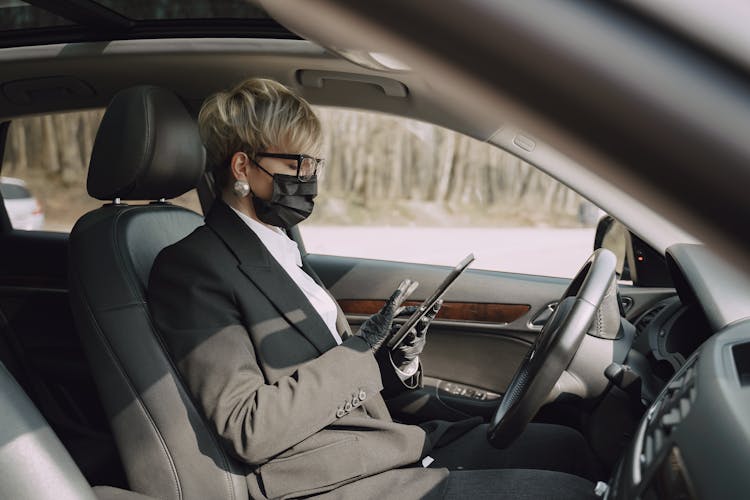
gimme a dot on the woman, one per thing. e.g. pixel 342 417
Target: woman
pixel 270 359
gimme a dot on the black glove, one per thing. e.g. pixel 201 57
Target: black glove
pixel 413 344
pixel 377 328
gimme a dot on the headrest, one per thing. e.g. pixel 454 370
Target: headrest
pixel 147 147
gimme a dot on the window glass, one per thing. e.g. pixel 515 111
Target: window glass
pixel 399 189
pixel 44 171
pixel 185 9
pixel 15 15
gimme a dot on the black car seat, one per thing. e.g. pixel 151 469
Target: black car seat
pixel 147 148
pixel 34 464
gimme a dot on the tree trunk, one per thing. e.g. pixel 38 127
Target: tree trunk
pixel 51 155
pixel 445 166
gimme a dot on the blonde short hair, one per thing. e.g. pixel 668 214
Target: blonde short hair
pixel 254 116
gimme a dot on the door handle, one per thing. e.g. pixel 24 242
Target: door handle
pixel 542 317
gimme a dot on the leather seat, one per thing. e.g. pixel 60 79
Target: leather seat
pixel 147 148
pixel 34 464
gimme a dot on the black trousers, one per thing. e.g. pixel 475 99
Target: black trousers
pixel 540 446
pixel 515 484
pixel 559 454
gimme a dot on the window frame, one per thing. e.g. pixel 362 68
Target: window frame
pixel 5 225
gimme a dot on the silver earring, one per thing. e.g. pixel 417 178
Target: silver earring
pixel 241 188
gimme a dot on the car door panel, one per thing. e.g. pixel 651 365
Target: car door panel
pixel 476 345
pixel 41 347
pixel 483 335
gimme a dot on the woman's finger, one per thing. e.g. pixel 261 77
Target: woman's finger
pixel 405 288
pixel 409 290
pixel 396 295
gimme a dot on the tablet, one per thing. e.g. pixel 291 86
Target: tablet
pixel 428 304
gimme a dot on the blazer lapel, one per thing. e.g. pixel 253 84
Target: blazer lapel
pixel 266 273
pixel 342 324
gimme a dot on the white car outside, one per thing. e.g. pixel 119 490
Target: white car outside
pixel 23 209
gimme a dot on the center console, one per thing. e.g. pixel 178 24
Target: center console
pixel 694 440
pixel 653 466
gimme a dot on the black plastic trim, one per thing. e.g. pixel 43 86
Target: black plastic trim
pixel 85 12
pixel 741 354
pixel 5 224
pixel 192 28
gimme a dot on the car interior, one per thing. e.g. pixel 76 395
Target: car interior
pixel 94 405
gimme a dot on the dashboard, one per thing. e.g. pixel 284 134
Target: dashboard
pixel 694 439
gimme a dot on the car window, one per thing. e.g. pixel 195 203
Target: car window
pixel 44 171
pixel 403 190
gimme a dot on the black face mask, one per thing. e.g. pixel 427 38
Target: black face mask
pixel 291 200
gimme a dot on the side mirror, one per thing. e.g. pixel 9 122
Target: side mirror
pixel 636 260
pixel 614 236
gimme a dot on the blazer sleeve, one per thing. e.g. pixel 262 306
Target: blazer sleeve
pixel 194 309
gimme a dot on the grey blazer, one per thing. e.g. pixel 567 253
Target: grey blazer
pixel 304 413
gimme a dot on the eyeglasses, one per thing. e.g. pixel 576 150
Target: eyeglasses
pixel 307 166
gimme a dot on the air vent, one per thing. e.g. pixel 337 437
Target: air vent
pixel 741 355
pixel 627 303
pixel 647 318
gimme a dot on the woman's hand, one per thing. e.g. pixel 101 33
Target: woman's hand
pixel 413 344
pixel 377 328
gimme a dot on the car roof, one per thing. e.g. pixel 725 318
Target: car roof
pixel 35 22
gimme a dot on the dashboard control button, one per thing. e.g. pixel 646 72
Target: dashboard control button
pixel 455 389
pixel 601 489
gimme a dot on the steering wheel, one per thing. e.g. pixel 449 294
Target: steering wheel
pixel 553 349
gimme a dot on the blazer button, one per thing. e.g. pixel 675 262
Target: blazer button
pixel 362 395
pixel 340 413
pixel 348 407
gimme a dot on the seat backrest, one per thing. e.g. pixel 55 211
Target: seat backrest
pixel 34 465
pixel 147 147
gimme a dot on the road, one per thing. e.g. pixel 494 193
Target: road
pixel 544 251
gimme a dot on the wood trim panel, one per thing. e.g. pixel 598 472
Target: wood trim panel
pixel 456 311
